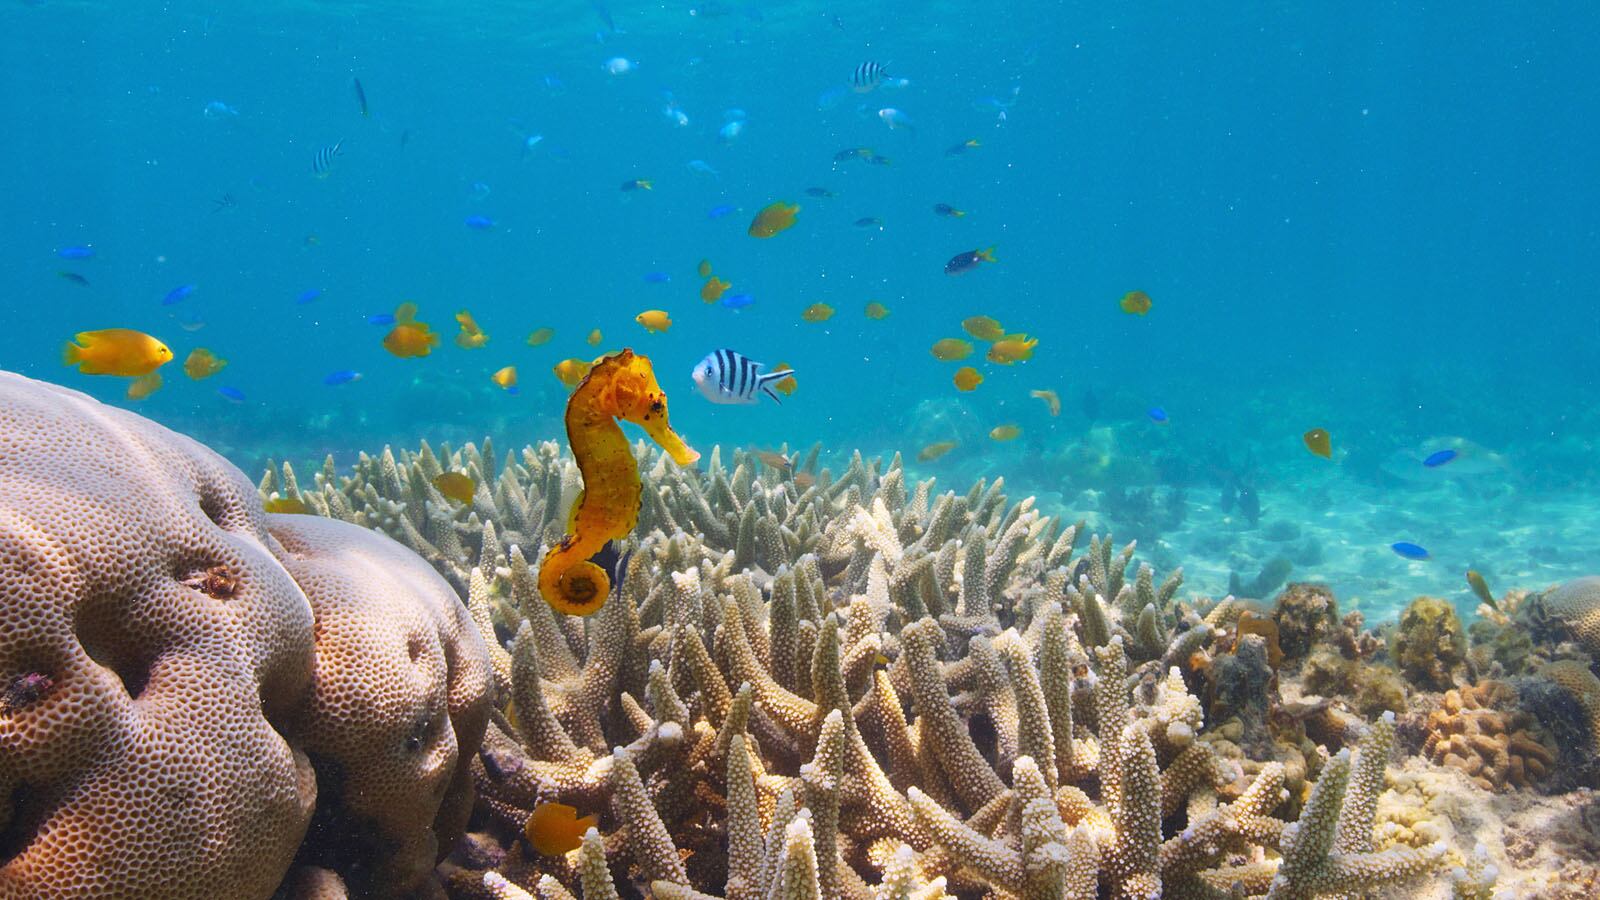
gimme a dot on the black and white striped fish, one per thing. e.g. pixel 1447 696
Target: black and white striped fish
pixel 867 76
pixel 322 162
pixel 728 377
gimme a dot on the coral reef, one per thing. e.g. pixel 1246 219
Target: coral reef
pixel 1307 614
pixel 1573 608
pixel 1480 731
pixel 176 712
pixel 1430 646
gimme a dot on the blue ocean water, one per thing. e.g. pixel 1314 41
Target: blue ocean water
pixel 1381 222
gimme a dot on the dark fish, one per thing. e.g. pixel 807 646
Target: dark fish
pixel 870 222
pixel 1250 505
pixel 867 76
pixel 819 193
pixel 75 278
pixel 966 262
pixel 226 201
pixel 1408 550
pixel 1435 460
pixel 615 562
pixel 361 96
pixel 322 160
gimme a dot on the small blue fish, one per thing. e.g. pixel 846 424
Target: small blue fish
pixel 1435 460
pixel 479 223
pixel 343 376
pixel 231 394
pixel 307 295
pixel 1408 550
pixel 717 212
pixel 1157 415
pixel 737 301
pixel 178 294
pixel 657 277
pixel 381 319
pixel 82 252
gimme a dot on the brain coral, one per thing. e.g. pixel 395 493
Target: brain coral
pixel 1576 606
pixel 152 647
pixel 401 693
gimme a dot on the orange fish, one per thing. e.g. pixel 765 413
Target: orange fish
pixel 410 339
pixel 983 328
pixel 116 351
pixel 1318 442
pixel 711 292
pixel 202 363
pixel 934 451
pixel 704 268
pixel 967 378
pixel 951 349
pixel 554 828
pixel 471 336
pixel 540 336
pixel 506 378
pixel 876 310
pixel 1014 348
pixel 1135 303
pixel 774 218
pixel 144 386
pixel 1005 432
pixel 594 338
pixel 456 486
pixel 786 386
pixel 1051 400
pixel 572 371
pixel 773 460
pixel 817 312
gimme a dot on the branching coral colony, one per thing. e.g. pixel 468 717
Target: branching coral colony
pixel 856 687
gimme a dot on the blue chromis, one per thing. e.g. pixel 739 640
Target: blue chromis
pixel 307 295
pixel 231 394
pixel 380 319
pixel 1439 458
pixel 479 223
pixel 84 251
pixel 1157 415
pixel 343 376
pixel 179 294
pixel 1408 550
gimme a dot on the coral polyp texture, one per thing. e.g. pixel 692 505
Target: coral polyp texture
pixel 176 713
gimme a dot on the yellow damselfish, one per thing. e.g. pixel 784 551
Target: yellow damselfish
pixel 116 351
pixel 655 320
pixel 202 363
pixel 817 312
pixel 773 218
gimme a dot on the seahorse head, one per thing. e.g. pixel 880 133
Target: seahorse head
pixel 632 393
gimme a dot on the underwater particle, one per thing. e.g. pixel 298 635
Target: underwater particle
pixel 288 505
pixel 594 338
pixel 967 379
pixel 75 278
pixel 202 363
pixel 478 223
pixel 179 294
pixel 1050 398
pixel 950 349
pixel 1408 550
pixel 773 218
pixel 456 486
pixel 1439 458
pixel 948 211
pixel 876 310
pixel 729 377
pixel 1135 303
pixel 343 376
pixel 1157 415
pixel 984 328
pixel 817 312
pixel 654 320
pixel 637 184
pixel 962 263
pixel 322 160
pixel 963 147
pixel 540 336
pixel 84 251
pixel 1007 432
pixel 1480 588
pixel 115 351
pixel 470 337
pixel 554 828
pixel 571 371
pixel 1318 442
pixel 1013 348
pixel 506 378
pixel 144 386
pixel 712 290
pixel 736 301
pixel 786 386
pixel 704 269
pixel 230 394
pixel 935 450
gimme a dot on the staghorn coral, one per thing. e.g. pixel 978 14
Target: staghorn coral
pixel 1430 645
pixel 1480 731
pixel 894 693
pixel 176 711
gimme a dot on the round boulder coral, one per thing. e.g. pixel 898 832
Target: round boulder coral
pixel 152 651
pixel 1574 607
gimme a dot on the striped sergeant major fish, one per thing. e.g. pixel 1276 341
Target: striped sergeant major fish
pixel 867 76
pixel 725 376
pixel 322 162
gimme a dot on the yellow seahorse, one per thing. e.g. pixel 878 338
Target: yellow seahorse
pixel 620 386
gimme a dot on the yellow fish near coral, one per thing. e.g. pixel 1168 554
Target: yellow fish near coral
pixel 817 312
pixel 654 320
pixel 144 386
pixel 540 336
pixel 554 828
pixel 967 378
pixel 116 351
pixel 202 363
pixel 620 386
pixel 983 328
pixel 471 337
pixel 506 378
pixel 773 218
pixel 934 451
pixel 1013 348
pixel 951 349
pixel 285 505
pixel 456 486
pixel 409 338
pixel 1005 432
pixel 571 371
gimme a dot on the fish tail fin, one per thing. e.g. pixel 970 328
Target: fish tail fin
pixel 958 213
pixel 987 255
pixel 767 389
pixel 769 379
pixel 71 354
